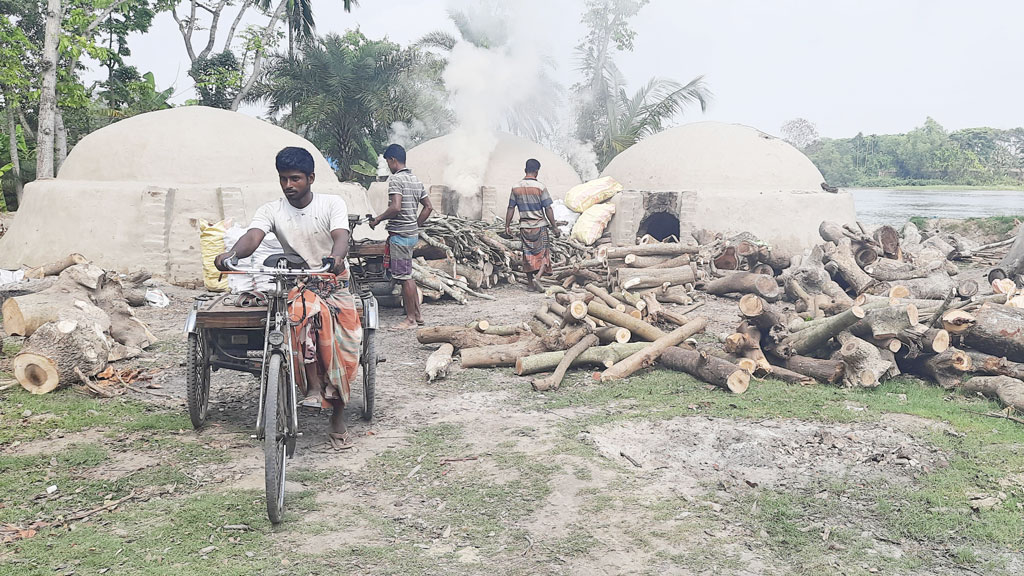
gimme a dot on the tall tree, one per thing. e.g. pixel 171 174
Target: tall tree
pixel 349 90
pixel 222 78
pixel 48 91
pixel 607 115
pixel 14 82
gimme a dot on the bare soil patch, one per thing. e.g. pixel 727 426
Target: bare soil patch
pixel 691 453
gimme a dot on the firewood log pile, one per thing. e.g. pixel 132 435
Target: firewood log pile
pixel 856 310
pixel 456 258
pixel 77 318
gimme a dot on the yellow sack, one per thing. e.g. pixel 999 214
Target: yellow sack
pixel 590 225
pixel 582 196
pixel 211 243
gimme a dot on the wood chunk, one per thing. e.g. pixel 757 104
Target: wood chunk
pixel 707 368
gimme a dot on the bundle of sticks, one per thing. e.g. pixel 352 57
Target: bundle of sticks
pixel 470 255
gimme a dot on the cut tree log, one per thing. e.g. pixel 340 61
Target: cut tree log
pixel 553 381
pixel 611 334
pixel 604 356
pixel 865 365
pixel 634 261
pixel 605 297
pixel 809 278
pixel 55 268
pixel 565 337
pixel 998 330
pixel 889 240
pixel 24 287
pixel 935 286
pixel 494 356
pixel 957 321
pixel 676 262
pixel 650 354
pixel 967 288
pixel 23 315
pixel 824 371
pixel 841 255
pixel 638 328
pixel 921 339
pixel 745 283
pixel 1009 391
pixel 813 338
pixel 707 368
pixel 988 365
pixel 460 337
pixel 439 362
pixel 886 270
pixel 746 343
pixel 639 278
pixel 669 294
pixel 759 313
pixel 656 249
pixel 946 369
pixel 885 323
pixel 790 377
pixel 76 342
pixel 1012 265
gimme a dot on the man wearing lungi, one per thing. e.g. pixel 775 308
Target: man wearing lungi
pixel 531 197
pixel 327 328
pixel 405 195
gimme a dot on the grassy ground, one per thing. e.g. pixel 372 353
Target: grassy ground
pixel 420 513
pixel 991 226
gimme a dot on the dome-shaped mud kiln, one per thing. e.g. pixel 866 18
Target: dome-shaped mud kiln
pixel 130 196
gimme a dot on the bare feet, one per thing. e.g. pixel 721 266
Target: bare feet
pixel 406 324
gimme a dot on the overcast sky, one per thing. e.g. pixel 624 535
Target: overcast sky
pixel 876 66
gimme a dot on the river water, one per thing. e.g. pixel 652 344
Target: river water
pixel 882 206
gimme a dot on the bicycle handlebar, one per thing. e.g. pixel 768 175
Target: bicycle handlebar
pixel 232 265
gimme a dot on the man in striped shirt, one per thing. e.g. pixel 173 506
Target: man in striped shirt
pixel 405 195
pixel 535 216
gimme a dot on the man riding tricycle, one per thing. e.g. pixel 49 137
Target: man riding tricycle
pixel 307 335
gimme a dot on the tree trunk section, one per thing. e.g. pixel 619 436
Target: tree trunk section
pixel 613 334
pixel 658 249
pixel 841 255
pixel 745 283
pixel 650 354
pixel 555 380
pixel 946 369
pixel 1009 391
pixel 639 278
pixel 498 355
pixel 999 331
pixel 51 356
pixel 638 328
pixel 886 323
pixel 439 362
pixel 815 337
pixel 460 337
pixel 825 371
pixel 987 365
pixel 604 356
pixel 865 365
pixel 707 368
pixel 1013 263
pixel 55 268
pixel 48 91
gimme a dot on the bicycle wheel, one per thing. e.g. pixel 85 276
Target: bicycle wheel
pixel 275 424
pixel 197 378
pixel 369 366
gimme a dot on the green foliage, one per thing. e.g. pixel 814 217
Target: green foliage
pixel 927 155
pixel 344 92
pixel 218 79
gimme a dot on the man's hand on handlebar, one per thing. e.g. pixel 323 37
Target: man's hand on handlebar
pixel 220 261
pixel 337 265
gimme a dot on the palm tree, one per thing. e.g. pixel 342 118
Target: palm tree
pixel 343 92
pixel 648 111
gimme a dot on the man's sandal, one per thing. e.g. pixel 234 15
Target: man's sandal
pixel 340 441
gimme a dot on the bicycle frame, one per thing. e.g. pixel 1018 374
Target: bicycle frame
pixel 277 337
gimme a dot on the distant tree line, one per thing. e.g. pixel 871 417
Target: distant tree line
pixel 927 155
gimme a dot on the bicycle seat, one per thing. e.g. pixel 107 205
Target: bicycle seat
pixel 292 261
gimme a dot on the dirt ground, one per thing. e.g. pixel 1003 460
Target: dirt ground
pixel 659 475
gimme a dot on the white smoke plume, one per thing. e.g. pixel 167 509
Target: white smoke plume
pixel 485 82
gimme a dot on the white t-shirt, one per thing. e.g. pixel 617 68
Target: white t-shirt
pixel 304 231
